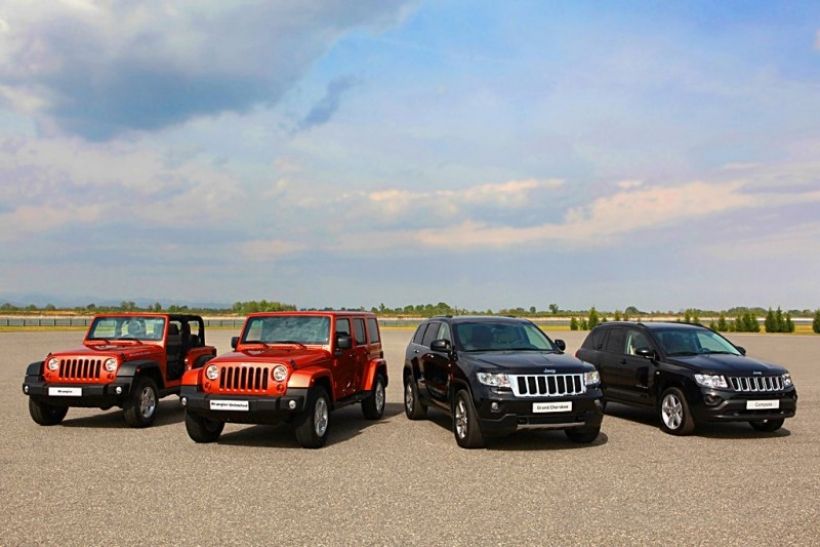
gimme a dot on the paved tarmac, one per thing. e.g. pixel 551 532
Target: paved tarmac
pixel 93 481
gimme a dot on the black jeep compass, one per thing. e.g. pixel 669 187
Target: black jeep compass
pixel 689 374
pixel 495 375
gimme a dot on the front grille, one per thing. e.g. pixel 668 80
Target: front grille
pixel 547 385
pixel 243 378
pixel 756 383
pixel 80 369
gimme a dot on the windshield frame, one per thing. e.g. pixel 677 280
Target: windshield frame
pixel 459 336
pixel 121 321
pixel 246 331
pixel 722 340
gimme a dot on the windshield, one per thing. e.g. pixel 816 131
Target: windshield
pixel 694 342
pixel 501 336
pixel 288 328
pixel 127 328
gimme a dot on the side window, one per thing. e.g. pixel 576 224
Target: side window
pixel 595 340
pixel 430 334
pixel 343 326
pixel 615 342
pixel 358 329
pixel 419 336
pixel 635 339
pixel 373 331
pixel 444 333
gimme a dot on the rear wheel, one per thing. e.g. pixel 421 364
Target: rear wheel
pixel 676 418
pixel 46 414
pixel 768 425
pixel 465 421
pixel 313 424
pixel 141 406
pixel 583 434
pixel 373 406
pixel 414 409
pixel 201 429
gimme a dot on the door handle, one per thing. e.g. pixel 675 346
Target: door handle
pixel 415 351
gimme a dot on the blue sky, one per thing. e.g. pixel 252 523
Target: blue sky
pixel 486 154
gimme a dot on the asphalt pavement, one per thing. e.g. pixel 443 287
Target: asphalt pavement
pixel 94 481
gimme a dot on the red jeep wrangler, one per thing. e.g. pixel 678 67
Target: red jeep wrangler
pixel 292 367
pixel 129 360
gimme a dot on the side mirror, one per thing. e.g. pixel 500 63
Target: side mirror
pixel 647 353
pixel 440 345
pixel 343 341
pixel 234 342
pixel 560 344
pixel 741 349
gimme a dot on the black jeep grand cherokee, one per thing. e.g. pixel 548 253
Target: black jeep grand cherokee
pixel 495 375
pixel 689 374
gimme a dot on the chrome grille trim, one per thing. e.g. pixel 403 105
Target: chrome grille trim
pixel 752 384
pixel 547 385
pixel 243 378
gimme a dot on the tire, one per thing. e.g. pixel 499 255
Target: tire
pixel 583 435
pixel 373 406
pixel 313 424
pixel 767 426
pixel 46 414
pixel 465 421
pixel 674 413
pixel 414 409
pixel 201 429
pixel 141 406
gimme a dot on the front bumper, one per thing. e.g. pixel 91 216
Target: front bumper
pixel 90 395
pixel 261 409
pixel 713 405
pixel 516 413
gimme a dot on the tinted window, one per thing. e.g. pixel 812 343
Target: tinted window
pixel 501 336
pixel 595 340
pixel 444 333
pixel 343 326
pixel 616 340
pixel 358 327
pixel 635 340
pixel 373 330
pixel 687 341
pixel 417 338
pixel 430 334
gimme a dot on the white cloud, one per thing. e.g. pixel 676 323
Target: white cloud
pixel 268 249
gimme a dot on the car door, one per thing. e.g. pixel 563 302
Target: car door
pixel 609 365
pixel 636 369
pixel 360 353
pixel 345 364
pixel 436 364
pixel 426 365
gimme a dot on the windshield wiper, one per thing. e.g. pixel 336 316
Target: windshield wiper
pixel 682 353
pixel 291 342
pixel 710 352
pixel 130 339
pixel 259 342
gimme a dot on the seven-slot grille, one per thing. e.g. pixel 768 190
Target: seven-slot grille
pixel 547 385
pixel 243 378
pixel 80 369
pixel 756 383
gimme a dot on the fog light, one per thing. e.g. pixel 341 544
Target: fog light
pixel 184 401
pixel 495 407
pixel 712 400
pixel 118 390
pixel 292 405
pixel 25 389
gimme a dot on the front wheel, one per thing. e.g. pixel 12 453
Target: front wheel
pixel 676 418
pixel 373 406
pixel 46 414
pixel 767 426
pixel 465 422
pixel 201 429
pixel 312 425
pixel 141 406
pixel 583 435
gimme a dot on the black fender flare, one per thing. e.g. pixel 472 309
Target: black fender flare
pixel 132 369
pixel 35 369
pixel 202 359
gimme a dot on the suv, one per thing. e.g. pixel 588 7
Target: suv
pixel 689 374
pixel 128 360
pixel 292 367
pixel 496 375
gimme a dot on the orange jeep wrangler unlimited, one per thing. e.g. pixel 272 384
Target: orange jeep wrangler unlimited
pixel 292 367
pixel 128 360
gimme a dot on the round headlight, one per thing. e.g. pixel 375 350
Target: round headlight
pixel 111 364
pixel 212 372
pixel 279 373
pixel 53 363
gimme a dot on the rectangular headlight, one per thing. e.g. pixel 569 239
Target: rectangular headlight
pixel 711 380
pixel 787 380
pixel 494 379
pixel 591 378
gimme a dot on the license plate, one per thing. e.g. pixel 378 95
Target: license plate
pixel 241 406
pixel 65 391
pixel 763 405
pixel 542 408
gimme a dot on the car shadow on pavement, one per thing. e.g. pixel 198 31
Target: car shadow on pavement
pixel 728 430
pixel 520 440
pixel 169 412
pixel 345 424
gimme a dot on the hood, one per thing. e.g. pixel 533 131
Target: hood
pixel 129 352
pixel 732 365
pixel 298 357
pixel 526 362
